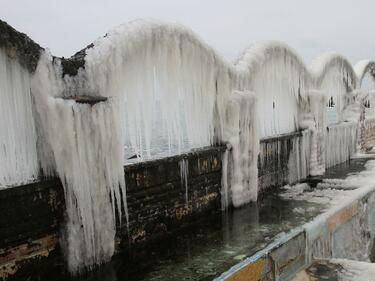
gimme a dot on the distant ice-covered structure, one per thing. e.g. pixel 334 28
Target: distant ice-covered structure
pixel 278 77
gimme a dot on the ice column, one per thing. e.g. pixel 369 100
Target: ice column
pixel 240 165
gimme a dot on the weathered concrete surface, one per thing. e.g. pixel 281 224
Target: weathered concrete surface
pixel 273 161
pixel 29 224
pixel 19 45
pixel 157 197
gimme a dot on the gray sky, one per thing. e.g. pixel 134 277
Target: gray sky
pixel 311 27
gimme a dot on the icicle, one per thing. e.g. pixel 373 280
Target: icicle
pixel 224 180
pixel 184 173
pixel 18 153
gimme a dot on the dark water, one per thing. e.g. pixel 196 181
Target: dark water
pixel 204 251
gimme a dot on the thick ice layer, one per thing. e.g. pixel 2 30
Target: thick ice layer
pixel 341 143
pixel 240 166
pixel 18 153
pixel 315 120
pixel 86 146
pixel 167 83
pixel 278 77
pixel 299 158
pixel 333 75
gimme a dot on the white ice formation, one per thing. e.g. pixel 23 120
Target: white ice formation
pixel 168 92
pixel 86 151
pixel 18 152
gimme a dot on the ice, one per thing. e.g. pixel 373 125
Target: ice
pixel 167 82
pixel 240 166
pixel 313 118
pixel 341 143
pixel 278 76
pixel 85 144
pixel 18 153
pixel 333 75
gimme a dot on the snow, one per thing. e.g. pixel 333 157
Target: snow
pixel 18 153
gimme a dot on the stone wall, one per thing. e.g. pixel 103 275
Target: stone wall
pixel 281 159
pixel 29 223
pixel 158 199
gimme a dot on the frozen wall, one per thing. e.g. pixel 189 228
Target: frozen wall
pixel 333 75
pixel 365 70
pixel 341 143
pixel 166 81
pixel 240 170
pixel 18 154
pixel 278 77
pixel 85 149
